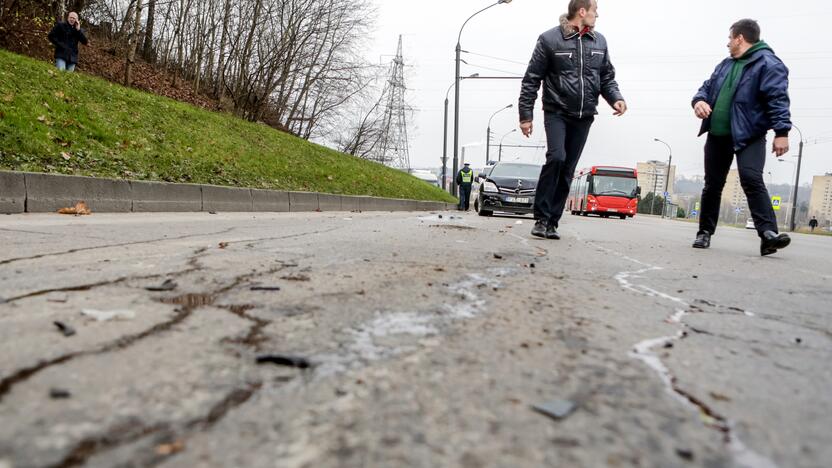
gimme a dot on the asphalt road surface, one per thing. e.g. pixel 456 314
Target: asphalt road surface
pixel 408 339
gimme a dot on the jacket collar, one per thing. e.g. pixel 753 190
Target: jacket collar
pixel 569 31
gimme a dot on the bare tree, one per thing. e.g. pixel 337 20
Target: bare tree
pixel 295 64
pixel 133 44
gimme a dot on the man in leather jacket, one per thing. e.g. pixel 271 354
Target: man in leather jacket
pixel 65 37
pixel 572 63
pixel 747 95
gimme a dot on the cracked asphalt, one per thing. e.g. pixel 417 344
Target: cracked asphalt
pixel 428 339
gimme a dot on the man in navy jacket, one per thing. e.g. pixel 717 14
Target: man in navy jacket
pixel 65 37
pixel 747 95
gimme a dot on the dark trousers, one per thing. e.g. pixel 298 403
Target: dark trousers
pixel 565 140
pixel 751 161
pixel 464 196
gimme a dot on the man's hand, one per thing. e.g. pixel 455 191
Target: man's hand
pixel 702 110
pixel 620 108
pixel 526 128
pixel 780 146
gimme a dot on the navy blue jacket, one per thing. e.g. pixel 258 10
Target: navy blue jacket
pixel 761 102
pixel 66 39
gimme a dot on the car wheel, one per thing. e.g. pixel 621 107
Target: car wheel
pixel 623 216
pixel 480 211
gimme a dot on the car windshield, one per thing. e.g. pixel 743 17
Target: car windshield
pixel 519 171
pixel 620 186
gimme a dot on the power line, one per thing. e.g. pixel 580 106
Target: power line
pixel 497 58
pixel 494 69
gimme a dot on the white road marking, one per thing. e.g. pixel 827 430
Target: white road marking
pixel 644 352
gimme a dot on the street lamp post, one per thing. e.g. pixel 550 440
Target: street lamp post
pixel 457 79
pixel 500 154
pixel 445 134
pixel 667 178
pixel 787 224
pixel 488 133
pixel 653 201
pixel 796 181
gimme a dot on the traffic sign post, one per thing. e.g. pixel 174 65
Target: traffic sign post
pixel 776 202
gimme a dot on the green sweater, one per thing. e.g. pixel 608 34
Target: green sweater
pixel 721 116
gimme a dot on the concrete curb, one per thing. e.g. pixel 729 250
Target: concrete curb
pixel 29 192
pixel 49 193
pixel 160 196
pixel 12 192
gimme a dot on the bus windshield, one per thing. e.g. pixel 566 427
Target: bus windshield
pixel 614 186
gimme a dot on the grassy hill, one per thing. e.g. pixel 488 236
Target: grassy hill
pixel 76 124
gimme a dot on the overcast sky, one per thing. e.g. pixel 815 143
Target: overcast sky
pixel 662 52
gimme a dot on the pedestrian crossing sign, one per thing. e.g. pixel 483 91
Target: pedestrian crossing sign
pixel 776 202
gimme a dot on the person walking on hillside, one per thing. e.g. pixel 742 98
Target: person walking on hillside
pixel 813 223
pixel 65 36
pixel 746 96
pixel 574 66
pixel 465 180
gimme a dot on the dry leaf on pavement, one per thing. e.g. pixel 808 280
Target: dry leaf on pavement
pixel 79 209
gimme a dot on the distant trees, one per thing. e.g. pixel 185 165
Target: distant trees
pixel 294 64
pixel 651 204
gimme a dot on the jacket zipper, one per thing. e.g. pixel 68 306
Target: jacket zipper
pixel 564 54
pixel 581 71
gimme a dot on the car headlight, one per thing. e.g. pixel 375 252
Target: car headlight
pixel 490 187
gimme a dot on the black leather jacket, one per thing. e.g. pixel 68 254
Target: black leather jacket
pixel 574 69
pixel 65 38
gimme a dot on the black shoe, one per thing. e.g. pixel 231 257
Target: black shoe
pixel 539 229
pixel 703 240
pixel 772 242
pixel 552 233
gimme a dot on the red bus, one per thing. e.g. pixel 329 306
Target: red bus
pixel 605 191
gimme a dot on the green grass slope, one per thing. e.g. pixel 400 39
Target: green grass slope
pixel 75 124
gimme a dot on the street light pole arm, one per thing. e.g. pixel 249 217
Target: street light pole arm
pixel 495 114
pixel 799 132
pixel 664 143
pixel 459 38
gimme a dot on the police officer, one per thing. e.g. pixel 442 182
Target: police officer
pixel 465 179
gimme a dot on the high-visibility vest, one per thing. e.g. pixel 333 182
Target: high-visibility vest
pixel 467 177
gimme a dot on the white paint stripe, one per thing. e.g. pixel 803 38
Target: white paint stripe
pixel 643 351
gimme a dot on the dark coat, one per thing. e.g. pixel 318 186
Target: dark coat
pixel 761 102
pixel 574 69
pixel 65 38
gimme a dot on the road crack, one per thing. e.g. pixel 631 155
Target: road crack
pixel 124 244
pixel 644 351
pixel 132 431
pixel 193 265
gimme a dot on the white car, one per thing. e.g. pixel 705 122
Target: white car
pixel 749 224
pixel 426 176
